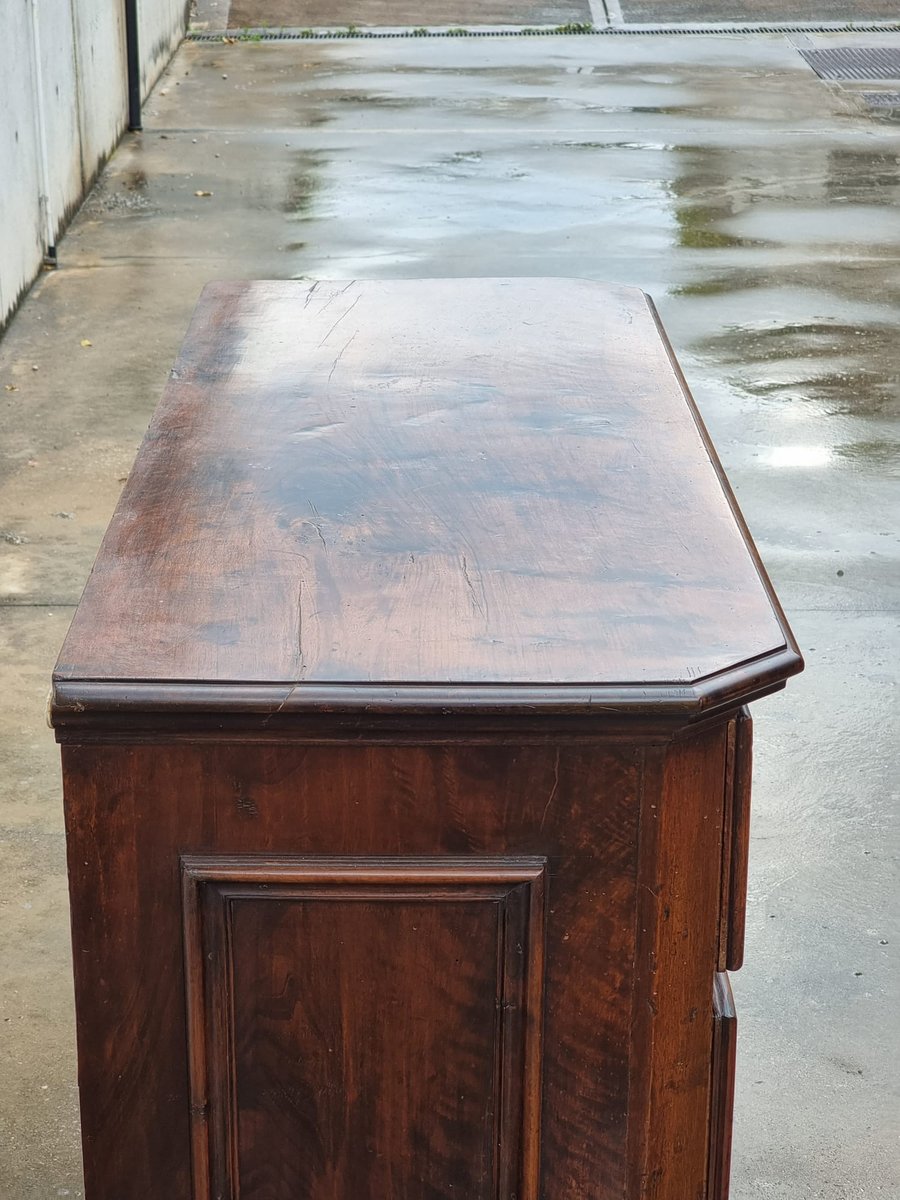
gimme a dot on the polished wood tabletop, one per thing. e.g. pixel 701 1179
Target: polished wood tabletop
pixel 389 485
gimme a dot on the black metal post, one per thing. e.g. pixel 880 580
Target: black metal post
pixel 134 65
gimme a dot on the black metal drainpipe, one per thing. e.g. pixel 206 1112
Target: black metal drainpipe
pixel 134 65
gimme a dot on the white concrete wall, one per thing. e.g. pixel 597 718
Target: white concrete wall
pixel 20 223
pixel 81 63
pixel 56 39
pixel 161 27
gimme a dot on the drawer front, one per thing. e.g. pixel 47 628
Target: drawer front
pixel 722 1095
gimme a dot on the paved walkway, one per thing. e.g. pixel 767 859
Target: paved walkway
pixel 334 14
pixel 804 11
pixel 761 207
pixel 368 13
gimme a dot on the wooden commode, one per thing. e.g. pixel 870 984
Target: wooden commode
pixel 406 760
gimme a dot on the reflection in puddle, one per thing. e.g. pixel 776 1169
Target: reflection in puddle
pixel 854 175
pixel 846 369
pixel 696 230
pixel 799 456
pixel 706 191
pixel 302 183
pixel 769 223
pixel 764 205
pixel 883 453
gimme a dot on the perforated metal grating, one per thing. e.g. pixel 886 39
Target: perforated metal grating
pixel 738 29
pixel 882 99
pixel 855 62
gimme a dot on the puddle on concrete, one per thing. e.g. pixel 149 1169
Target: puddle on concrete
pixel 697 229
pixel 872 227
pixel 368 99
pixel 749 200
pixel 883 453
pixel 720 285
pixel 853 392
pixel 854 173
pixel 803 265
pixel 839 369
pixel 301 185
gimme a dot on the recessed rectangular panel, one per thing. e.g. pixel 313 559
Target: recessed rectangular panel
pixel 365 1029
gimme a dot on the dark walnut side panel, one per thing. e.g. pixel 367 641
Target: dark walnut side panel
pixel 365 1026
pixel 132 813
pixel 678 920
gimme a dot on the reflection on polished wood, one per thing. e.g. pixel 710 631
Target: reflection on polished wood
pixel 406 769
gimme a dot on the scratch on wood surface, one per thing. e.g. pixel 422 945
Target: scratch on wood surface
pixel 477 602
pixel 338 321
pixel 276 711
pixel 339 357
pixel 317 525
pixel 553 790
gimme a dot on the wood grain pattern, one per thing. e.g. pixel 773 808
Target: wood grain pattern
pixel 472 483
pixel 133 812
pixel 379 1023
pixel 91 711
pixel 677 948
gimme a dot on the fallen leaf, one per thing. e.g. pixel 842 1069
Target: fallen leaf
pixel 85 342
pixel 202 193
pixel 66 516
pixel 11 387
pixel 32 462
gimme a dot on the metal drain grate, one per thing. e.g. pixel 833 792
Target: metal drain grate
pixel 881 99
pixel 733 29
pixel 855 62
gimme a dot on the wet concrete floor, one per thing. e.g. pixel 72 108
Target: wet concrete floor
pixel 759 206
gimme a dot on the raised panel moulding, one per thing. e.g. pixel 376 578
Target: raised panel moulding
pixel 340 1011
